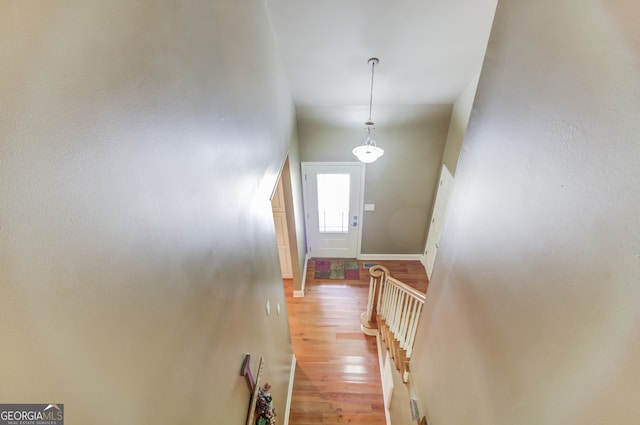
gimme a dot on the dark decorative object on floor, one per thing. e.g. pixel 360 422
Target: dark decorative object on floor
pixel 337 269
pixel 265 412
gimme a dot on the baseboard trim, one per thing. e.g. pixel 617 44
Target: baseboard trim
pixel 292 376
pixel 402 257
pixel 298 294
pixel 423 260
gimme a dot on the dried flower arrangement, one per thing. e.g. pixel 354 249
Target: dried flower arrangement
pixel 265 412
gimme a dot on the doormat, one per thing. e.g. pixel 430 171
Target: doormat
pixel 337 270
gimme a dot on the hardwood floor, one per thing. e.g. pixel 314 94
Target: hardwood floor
pixel 337 377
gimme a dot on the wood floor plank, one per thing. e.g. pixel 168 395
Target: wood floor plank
pixel 337 378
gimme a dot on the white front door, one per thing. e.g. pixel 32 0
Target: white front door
pixel 333 195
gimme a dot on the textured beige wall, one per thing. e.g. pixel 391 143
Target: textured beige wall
pixel 458 125
pixel 140 142
pixel 532 314
pixel 401 184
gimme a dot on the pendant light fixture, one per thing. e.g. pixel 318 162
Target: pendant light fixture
pixel 368 152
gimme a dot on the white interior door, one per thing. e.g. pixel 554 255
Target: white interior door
pixel 437 219
pixel 333 196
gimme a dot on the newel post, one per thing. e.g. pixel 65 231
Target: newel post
pixel 368 319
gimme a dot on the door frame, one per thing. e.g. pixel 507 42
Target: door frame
pixel 305 196
pixel 438 214
pixel 284 176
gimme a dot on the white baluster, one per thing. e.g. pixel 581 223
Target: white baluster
pixel 384 289
pixel 384 300
pixel 396 310
pixel 403 319
pixel 391 304
pixel 414 328
pixel 392 307
pixel 406 315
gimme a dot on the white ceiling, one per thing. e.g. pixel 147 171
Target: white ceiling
pixel 429 50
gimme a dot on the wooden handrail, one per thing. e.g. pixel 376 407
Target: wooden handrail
pixel 408 289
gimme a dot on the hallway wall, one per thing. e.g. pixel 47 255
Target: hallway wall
pixel 140 142
pixel 532 313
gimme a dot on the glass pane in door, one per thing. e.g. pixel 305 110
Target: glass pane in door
pixel 333 203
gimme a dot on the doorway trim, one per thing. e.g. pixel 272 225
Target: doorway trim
pixel 284 175
pixel 438 215
pixel 360 210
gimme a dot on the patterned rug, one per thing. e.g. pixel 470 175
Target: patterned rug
pixel 337 270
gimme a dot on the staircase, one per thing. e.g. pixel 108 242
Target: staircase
pixel 393 313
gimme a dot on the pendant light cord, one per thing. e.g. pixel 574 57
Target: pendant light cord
pixel 373 62
pixel 368 152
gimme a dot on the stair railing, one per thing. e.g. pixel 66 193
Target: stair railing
pixel 393 312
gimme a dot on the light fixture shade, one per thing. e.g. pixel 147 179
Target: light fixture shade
pixel 368 153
